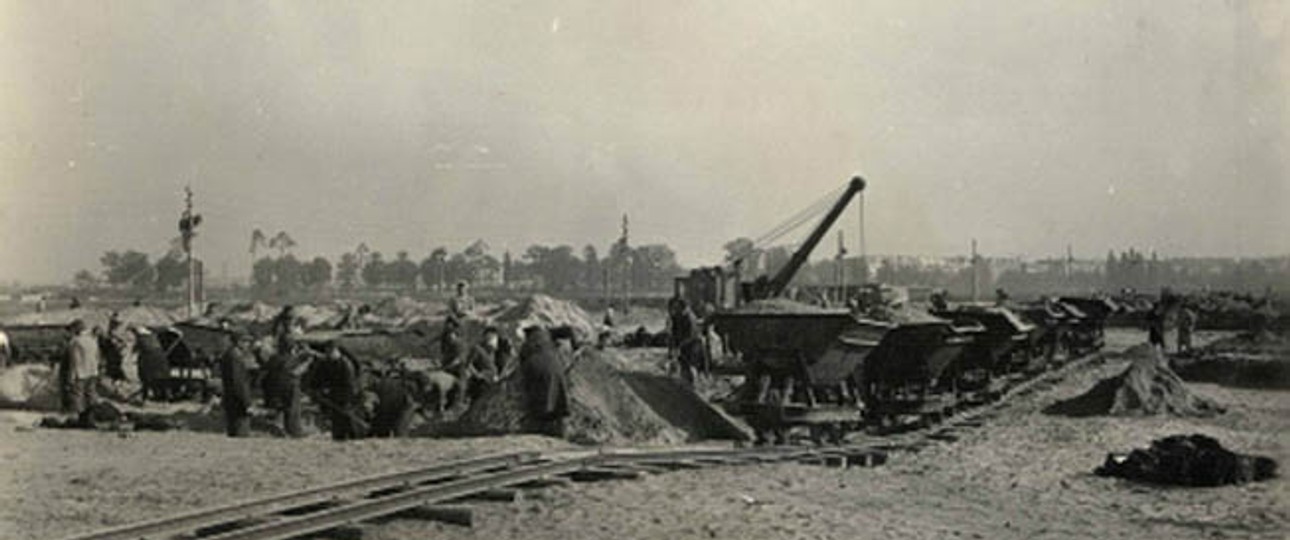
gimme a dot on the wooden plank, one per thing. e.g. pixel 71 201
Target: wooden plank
pixel 452 514
pixel 498 495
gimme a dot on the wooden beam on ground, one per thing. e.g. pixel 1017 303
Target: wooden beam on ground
pixel 597 474
pixel 547 481
pixel 499 495
pixel 452 514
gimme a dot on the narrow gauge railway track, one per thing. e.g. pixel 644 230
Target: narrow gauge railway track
pixel 314 510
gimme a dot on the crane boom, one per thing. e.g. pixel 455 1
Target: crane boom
pixel 776 285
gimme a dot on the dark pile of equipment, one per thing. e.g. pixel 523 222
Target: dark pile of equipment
pixel 1188 460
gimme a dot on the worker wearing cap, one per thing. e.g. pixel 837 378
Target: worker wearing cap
pixel 234 367
pixel 80 369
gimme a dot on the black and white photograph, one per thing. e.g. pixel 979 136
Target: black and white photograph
pixel 592 269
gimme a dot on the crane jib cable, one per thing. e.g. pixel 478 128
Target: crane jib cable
pixel 806 212
pixel 802 216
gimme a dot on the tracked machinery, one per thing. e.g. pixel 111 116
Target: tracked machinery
pixel 829 370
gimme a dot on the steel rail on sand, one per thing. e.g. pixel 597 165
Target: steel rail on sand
pixel 162 527
pixel 346 503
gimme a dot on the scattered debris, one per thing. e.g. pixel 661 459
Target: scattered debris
pixel 1188 460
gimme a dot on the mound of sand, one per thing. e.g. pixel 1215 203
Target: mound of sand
pixel 542 310
pixel 603 408
pixel 1188 460
pixel 29 386
pixel 1147 387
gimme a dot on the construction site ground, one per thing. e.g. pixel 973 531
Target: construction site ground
pixel 1021 474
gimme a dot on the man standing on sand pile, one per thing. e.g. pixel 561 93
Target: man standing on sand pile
pixel 543 380
pixel 234 368
pixel 80 370
pixel 686 337
pixel 462 305
pixel 480 370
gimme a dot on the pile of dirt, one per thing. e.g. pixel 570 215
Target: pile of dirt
pixel 1188 460
pixel 604 409
pixel 542 310
pixel 29 386
pixel 1147 387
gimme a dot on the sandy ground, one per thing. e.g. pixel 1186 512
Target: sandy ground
pixel 1023 475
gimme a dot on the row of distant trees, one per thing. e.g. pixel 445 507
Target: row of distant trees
pixel 133 270
pixel 276 270
pixel 555 269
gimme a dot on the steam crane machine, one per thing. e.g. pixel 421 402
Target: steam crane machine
pixel 721 287
pixel 830 370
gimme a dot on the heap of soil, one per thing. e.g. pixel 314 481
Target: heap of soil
pixel 1188 460
pixel 603 408
pixel 542 310
pixel 1147 387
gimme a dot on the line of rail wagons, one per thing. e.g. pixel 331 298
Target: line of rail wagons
pixel 833 372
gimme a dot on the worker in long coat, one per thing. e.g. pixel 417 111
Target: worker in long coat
pixel 234 368
pixel 80 370
pixel 281 386
pixel 396 404
pixel 334 382
pixel 543 380
pixel 154 367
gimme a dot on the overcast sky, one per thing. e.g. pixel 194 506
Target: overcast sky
pixel 1026 124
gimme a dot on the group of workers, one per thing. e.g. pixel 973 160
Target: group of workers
pixel 94 354
pixel 361 401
